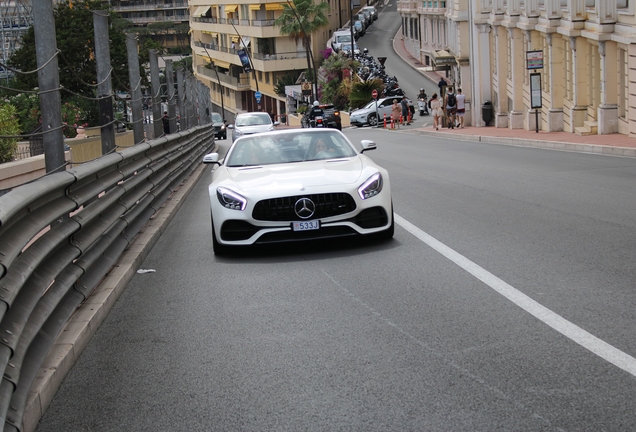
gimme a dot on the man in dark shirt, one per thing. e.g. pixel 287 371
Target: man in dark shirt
pixel 166 123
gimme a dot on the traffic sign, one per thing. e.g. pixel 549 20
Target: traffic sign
pixel 258 96
pixel 374 93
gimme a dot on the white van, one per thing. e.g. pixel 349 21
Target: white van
pixel 339 38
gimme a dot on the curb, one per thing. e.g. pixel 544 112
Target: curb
pixel 86 320
pixel 550 145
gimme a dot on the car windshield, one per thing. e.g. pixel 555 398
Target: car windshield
pixel 289 147
pixel 254 119
pixel 343 38
pixel 216 118
pixel 347 47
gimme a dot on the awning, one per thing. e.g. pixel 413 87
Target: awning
pixel 273 6
pixel 210 33
pixel 246 41
pixel 230 8
pixel 443 57
pixel 255 7
pixel 200 11
pixel 235 38
pixel 222 64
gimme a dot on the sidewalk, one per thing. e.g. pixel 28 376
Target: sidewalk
pixel 613 144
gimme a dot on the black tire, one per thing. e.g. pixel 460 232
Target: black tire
pixel 372 119
pixel 225 136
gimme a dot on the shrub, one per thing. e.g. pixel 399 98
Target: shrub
pixel 9 125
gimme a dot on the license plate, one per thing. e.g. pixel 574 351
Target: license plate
pixel 306 225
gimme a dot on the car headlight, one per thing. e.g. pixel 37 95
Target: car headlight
pixel 230 199
pixel 222 127
pixel 371 187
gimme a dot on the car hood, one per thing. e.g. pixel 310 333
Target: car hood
pixel 254 129
pixel 291 178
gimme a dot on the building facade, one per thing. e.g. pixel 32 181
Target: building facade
pixel 555 65
pixel 585 75
pixel 143 13
pixel 219 30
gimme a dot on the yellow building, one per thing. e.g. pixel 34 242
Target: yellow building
pixel 584 47
pixel 215 30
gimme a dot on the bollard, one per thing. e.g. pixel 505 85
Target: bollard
pixel 392 125
pixel 384 120
pixel 409 118
pixel 401 119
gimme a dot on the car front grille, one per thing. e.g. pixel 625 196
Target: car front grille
pixel 282 209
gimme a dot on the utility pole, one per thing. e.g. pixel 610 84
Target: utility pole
pixel 49 83
pixel 155 89
pixel 104 87
pixel 183 118
pixel 135 84
pixel 172 112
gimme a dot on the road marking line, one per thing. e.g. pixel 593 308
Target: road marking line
pixel 566 328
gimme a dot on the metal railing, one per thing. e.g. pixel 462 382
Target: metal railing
pixel 61 234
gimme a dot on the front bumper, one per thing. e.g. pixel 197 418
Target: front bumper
pixel 241 228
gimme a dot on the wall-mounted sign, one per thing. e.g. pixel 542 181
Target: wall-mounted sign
pixel 534 59
pixel 306 88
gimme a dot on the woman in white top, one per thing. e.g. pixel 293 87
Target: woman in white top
pixel 436 110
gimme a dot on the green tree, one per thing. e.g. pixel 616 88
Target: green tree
pixel 285 80
pixel 302 21
pixel 75 39
pixel 361 92
pixel 9 125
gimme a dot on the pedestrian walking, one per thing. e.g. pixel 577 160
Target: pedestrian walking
pixel 461 107
pixel 405 110
pixel 436 110
pixel 396 110
pixel 450 103
pixel 166 123
pixel 441 84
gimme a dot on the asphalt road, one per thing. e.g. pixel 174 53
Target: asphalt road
pixel 504 302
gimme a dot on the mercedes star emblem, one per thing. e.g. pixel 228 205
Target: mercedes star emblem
pixel 305 208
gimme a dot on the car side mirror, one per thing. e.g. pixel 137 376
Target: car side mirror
pixel 367 145
pixel 211 158
pixel 276 123
pixel 230 126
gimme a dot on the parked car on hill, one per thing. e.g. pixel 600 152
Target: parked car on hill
pixel 367 114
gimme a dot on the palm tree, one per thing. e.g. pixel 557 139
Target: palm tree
pixel 299 19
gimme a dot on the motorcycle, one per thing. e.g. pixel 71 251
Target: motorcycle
pixel 422 106
pixel 317 122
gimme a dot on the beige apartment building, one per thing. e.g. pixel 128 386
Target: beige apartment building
pixel 586 46
pixel 145 12
pixel 218 30
pixel 577 51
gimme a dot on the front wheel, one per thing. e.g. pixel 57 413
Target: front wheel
pixel 373 120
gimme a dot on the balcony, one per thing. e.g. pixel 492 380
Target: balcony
pixel 431 7
pixel 242 83
pixel 158 18
pixel 407 6
pixel 281 61
pixel 148 7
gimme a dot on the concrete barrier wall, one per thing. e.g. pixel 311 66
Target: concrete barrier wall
pixel 13 174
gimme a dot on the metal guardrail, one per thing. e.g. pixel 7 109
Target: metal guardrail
pixel 59 237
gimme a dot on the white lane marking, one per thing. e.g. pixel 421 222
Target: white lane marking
pixel 566 328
